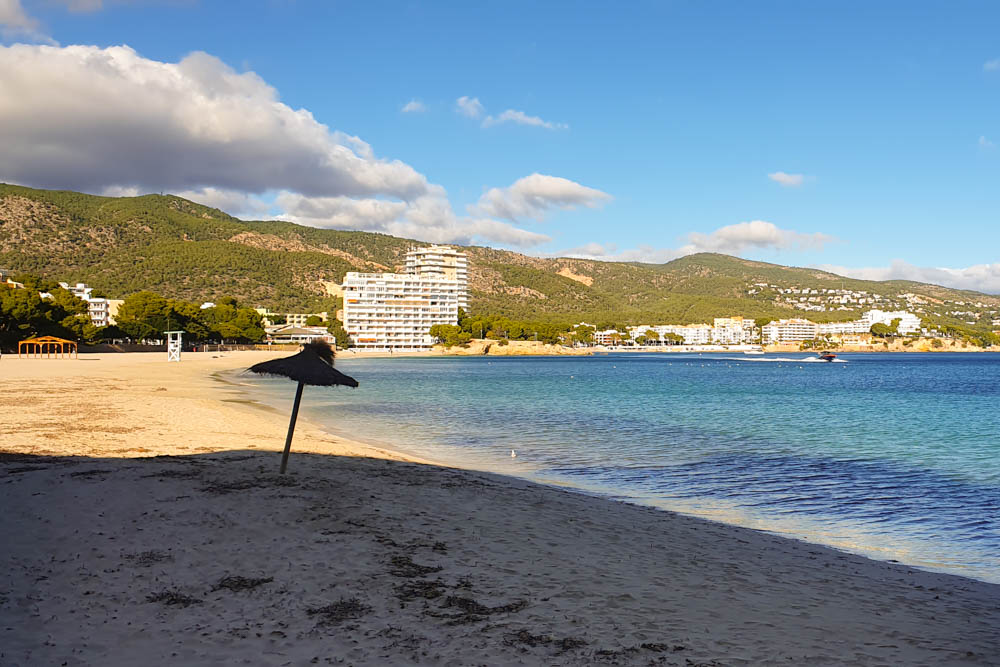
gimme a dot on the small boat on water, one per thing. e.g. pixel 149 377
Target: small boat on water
pixel 827 356
pixel 754 350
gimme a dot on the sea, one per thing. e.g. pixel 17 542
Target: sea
pixel 892 456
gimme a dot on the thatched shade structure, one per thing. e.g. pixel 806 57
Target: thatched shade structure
pixel 313 365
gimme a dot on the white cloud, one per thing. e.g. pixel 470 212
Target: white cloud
pixel 428 218
pixel 110 121
pixel 730 240
pixel 86 118
pixel 733 239
pixel 236 203
pixel 15 23
pixel 469 106
pixel 414 106
pixel 980 277
pixel 533 196
pixel 986 143
pixel 992 65
pixel 787 180
pixel 521 118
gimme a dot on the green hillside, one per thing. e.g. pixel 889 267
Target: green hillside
pixel 163 243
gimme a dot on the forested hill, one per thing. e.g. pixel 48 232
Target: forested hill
pixel 180 249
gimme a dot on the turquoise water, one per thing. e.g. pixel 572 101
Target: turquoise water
pixel 892 456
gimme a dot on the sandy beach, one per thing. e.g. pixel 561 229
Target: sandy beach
pixel 144 522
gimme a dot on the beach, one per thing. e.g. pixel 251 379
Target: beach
pixel 145 521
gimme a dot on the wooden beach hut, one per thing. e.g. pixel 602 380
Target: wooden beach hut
pixel 47 347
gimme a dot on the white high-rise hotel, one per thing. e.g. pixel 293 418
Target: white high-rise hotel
pixel 397 310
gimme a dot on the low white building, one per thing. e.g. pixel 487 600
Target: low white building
pixel 789 331
pixel 908 322
pixel 287 333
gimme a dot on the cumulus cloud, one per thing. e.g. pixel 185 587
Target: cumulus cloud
pixel 239 204
pixel 469 106
pixel 980 277
pixel 113 122
pixel 533 196
pixel 428 218
pixel 992 65
pixel 414 106
pixel 985 143
pixel 730 240
pixel 786 180
pixel 521 118
pixel 734 239
pixel 84 118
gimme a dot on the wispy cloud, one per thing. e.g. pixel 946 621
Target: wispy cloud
pixel 992 65
pixel 15 23
pixel 980 277
pixel 730 240
pixel 469 106
pixel 986 143
pixel 521 118
pixel 533 196
pixel 414 106
pixel 787 180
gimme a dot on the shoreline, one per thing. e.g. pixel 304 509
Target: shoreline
pixel 448 566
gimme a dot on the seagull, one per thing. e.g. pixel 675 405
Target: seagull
pixel 513 454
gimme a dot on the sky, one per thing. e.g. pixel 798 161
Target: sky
pixel 860 137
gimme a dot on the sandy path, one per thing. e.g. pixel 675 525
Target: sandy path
pixel 117 561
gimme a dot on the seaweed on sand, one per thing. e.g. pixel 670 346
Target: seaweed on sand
pixel 342 610
pixel 238 583
pixel 173 598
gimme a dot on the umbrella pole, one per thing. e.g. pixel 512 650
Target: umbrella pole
pixel 291 428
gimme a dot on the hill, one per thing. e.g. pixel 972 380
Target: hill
pixel 180 249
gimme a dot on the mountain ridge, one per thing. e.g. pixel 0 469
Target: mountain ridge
pixel 182 249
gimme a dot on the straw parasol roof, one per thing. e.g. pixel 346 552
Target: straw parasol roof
pixel 312 366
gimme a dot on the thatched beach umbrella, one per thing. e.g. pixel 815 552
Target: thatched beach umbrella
pixel 313 365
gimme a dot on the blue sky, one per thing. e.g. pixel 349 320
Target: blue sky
pixel 858 136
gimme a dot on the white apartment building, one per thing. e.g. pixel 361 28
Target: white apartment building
pixel 607 337
pixel 443 262
pixel 732 330
pixel 693 334
pixel 103 311
pixel 789 331
pixel 397 310
pixel 908 322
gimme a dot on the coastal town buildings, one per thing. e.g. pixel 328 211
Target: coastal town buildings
pixel 397 310
pixel 102 311
pixel 288 333
pixel 270 318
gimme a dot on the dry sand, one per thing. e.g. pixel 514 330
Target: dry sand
pixel 143 523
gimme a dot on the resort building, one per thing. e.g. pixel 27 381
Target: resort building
pixel 732 330
pixel 103 311
pixel 442 262
pixel 397 310
pixel 287 333
pixel 908 322
pixel 269 318
pixel 789 331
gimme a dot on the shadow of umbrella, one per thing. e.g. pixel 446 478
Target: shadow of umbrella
pixel 314 366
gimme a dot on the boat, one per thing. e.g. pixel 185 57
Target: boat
pixel 754 350
pixel 827 356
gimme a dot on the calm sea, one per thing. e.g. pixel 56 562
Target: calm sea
pixel 893 456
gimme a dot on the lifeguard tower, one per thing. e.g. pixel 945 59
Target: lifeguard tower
pixel 174 345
